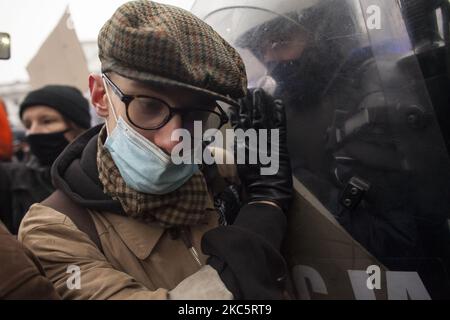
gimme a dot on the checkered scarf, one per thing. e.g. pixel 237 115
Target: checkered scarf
pixel 186 206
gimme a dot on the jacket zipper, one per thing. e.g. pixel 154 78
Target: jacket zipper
pixel 187 239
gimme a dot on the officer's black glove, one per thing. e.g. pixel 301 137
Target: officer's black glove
pixel 246 253
pixel 260 111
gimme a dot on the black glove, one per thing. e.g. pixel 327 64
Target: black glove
pixel 246 255
pixel 260 111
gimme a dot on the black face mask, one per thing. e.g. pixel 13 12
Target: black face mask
pixel 47 147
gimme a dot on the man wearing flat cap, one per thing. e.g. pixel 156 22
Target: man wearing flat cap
pixel 129 222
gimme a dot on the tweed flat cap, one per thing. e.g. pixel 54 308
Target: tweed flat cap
pixel 166 45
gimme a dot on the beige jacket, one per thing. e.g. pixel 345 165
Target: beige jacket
pixel 140 261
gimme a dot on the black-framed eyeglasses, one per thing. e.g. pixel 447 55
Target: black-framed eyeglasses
pixel 151 113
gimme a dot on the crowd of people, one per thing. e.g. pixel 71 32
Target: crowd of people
pixel 102 212
pixel 109 201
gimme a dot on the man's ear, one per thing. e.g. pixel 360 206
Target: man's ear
pixel 98 95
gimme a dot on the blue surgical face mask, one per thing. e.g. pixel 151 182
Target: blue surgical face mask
pixel 143 166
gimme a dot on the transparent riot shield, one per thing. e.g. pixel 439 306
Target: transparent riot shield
pixel 365 86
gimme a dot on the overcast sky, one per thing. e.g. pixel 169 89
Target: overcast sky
pixel 29 22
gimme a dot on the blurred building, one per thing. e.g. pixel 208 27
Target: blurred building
pixel 13 93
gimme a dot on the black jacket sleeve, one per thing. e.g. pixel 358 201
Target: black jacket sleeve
pixel 247 254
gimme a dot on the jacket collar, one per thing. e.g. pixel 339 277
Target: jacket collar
pixel 75 173
pixel 139 237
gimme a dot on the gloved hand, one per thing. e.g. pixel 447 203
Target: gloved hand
pixel 260 111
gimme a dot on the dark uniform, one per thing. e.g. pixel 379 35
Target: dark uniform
pixel 20 187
